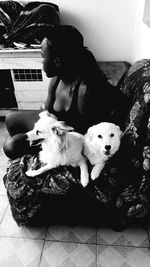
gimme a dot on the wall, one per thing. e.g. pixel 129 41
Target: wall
pixel 107 25
pixel 141 36
pixel 113 29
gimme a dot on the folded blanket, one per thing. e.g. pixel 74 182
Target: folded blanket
pixel 28 23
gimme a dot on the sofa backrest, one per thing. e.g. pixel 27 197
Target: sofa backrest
pixel 114 70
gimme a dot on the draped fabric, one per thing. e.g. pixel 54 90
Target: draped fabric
pixel 123 188
pixel 26 23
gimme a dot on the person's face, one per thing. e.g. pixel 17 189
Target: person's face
pixel 51 63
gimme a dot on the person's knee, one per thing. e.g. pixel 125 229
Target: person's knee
pixel 8 148
pixel 16 146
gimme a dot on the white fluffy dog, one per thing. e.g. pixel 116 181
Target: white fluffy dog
pixel 60 146
pixel 101 142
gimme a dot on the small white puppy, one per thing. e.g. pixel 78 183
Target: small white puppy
pixel 45 118
pixel 60 146
pixel 101 142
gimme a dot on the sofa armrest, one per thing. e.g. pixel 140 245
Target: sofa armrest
pixel 136 87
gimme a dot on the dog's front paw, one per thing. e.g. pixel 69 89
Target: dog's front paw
pixel 31 173
pixel 94 176
pixel 84 182
pixel 96 171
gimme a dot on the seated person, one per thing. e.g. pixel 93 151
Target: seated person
pixel 78 93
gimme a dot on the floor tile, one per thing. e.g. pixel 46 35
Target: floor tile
pixel 3 131
pixel 3 206
pixel 9 228
pixel 20 252
pixel 2 187
pixel 3 158
pixel 119 256
pixel 80 234
pixel 63 254
pixel 2 140
pixel 133 236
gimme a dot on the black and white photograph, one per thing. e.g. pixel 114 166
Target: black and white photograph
pixel 75 133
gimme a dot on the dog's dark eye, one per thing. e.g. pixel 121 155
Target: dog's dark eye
pixel 112 135
pixel 37 132
pixel 57 60
pixel 99 136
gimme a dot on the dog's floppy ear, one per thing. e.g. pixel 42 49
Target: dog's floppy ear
pixel 89 133
pixel 52 116
pixel 46 113
pixel 66 127
pixel 60 130
pixel 119 131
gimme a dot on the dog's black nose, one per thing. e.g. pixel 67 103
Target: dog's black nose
pixel 107 147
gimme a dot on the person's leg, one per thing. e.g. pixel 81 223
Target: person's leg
pixel 18 123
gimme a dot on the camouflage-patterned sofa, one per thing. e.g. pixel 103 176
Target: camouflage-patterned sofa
pixel 121 194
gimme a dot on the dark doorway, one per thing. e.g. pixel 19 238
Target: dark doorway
pixel 7 96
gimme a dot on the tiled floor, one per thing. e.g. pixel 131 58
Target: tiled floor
pixel 63 245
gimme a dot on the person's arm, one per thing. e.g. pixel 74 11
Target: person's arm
pixel 51 94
